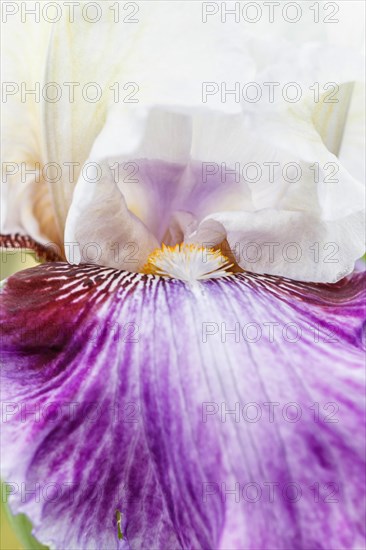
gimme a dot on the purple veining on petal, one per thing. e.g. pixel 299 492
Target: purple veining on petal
pixel 170 187
pixel 137 440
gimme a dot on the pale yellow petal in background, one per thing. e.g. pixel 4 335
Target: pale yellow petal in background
pixel 73 123
pixel 27 205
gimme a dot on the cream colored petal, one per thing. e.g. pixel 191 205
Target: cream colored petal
pixel 26 198
pixel 353 144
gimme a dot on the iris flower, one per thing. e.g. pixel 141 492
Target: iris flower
pixel 185 369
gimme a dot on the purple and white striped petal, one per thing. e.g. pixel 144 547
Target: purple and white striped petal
pixel 225 414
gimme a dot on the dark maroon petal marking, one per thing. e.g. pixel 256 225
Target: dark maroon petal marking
pixel 49 253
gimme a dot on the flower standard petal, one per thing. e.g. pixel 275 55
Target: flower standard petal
pixel 170 121
pixel 198 355
pixel 26 202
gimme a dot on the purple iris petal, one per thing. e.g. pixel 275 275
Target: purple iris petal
pixel 222 415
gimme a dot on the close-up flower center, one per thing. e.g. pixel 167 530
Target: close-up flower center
pixel 188 262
